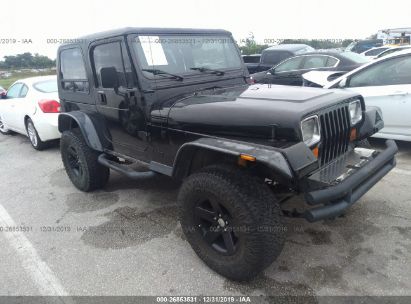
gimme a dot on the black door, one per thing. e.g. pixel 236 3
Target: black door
pixel 287 72
pixel 122 108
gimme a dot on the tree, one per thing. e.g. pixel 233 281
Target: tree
pixel 26 60
pixel 251 47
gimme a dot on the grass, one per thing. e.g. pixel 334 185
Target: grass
pixel 6 82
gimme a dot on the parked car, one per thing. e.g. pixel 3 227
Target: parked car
pixel 31 108
pixel 186 111
pixel 3 92
pixel 275 54
pixel 361 46
pixel 372 53
pixel 290 71
pixel 384 83
pixel 252 62
pixel 392 50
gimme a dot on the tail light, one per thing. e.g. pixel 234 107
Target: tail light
pixel 49 106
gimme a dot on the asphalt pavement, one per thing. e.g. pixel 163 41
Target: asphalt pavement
pixel 126 239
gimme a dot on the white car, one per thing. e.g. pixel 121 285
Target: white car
pixel 392 50
pixel 31 107
pixel 384 83
pixel 372 53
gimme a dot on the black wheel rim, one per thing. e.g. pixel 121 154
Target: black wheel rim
pixel 74 161
pixel 215 225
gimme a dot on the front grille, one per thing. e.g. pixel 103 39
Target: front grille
pixel 335 133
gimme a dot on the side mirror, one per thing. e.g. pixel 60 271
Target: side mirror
pixel 109 78
pixel 271 72
pixel 343 83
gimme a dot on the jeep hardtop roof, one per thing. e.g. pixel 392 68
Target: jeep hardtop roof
pixel 146 30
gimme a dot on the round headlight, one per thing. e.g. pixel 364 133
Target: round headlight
pixel 355 112
pixel 310 129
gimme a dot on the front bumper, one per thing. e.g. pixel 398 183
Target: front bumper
pixel 350 186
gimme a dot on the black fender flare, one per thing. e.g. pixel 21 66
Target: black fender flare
pixel 264 155
pixel 92 128
pixel 373 122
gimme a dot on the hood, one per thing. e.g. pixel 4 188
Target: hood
pixel 322 78
pixel 251 111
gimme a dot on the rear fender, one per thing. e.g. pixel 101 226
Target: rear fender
pixel 92 127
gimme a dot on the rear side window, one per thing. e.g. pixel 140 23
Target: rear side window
pixel 24 91
pixel 331 62
pixel 48 86
pixel 312 62
pixel 72 71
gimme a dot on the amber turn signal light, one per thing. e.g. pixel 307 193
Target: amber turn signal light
pixel 315 151
pixel 247 157
pixel 244 158
pixel 353 134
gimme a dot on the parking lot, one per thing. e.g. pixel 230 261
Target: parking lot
pixel 126 240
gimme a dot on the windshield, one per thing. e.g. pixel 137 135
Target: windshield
pixel 185 54
pixel 47 86
pixel 357 58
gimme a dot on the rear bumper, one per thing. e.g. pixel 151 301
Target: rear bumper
pixel 47 126
pixel 337 198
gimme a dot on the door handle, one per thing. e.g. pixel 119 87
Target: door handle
pixel 103 97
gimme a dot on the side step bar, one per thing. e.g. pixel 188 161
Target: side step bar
pixel 124 169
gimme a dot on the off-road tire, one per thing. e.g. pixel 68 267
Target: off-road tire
pixel 255 211
pixel 90 175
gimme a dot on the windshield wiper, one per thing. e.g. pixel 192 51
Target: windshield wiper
pixel 204 69
pixel 163 73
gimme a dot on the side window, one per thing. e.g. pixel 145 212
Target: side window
pixel 289 65
pixel 375 52
pixel 109 55
pixel 390 72
pixel 72 71
pixel 331 62
pixel 312 62
pixel 14 90
pixel 24 91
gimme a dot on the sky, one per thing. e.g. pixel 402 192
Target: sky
pixel 36 26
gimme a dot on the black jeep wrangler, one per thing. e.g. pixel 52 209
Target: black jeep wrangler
pixel 176 102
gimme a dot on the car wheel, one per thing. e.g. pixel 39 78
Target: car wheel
pixel 35 140
pixel 3 128
pixel 232 220
pixel 81 162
